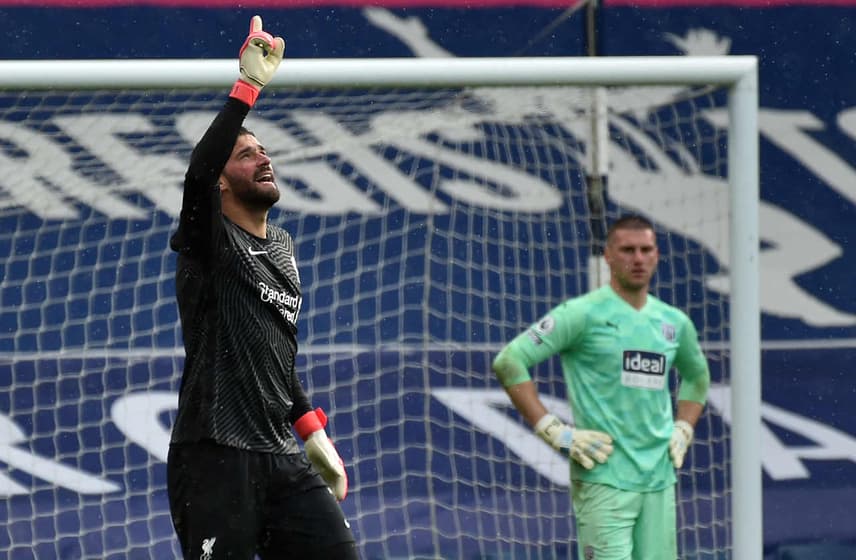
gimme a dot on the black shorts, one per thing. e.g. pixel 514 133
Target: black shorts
pixel 232 503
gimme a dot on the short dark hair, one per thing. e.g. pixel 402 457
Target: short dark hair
pixel 629 221
pixel 244 130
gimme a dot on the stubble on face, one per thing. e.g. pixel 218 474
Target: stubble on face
pixel 632 256
pixel 249 174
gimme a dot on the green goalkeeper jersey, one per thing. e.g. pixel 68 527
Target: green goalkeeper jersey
pixel 616 360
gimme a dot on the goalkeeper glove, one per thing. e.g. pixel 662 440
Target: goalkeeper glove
pixel 321 452
pixel 583 446
pixel 260 56
pixel 682 437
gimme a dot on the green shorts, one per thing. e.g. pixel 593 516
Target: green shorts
pixel 615 524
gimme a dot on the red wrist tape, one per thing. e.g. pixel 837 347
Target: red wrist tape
pixel 245 92
pixel 309 423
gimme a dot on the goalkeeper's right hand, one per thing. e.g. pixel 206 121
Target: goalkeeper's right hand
pixel 583 446
pixel 260 56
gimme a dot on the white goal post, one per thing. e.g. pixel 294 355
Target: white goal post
pixel 736 74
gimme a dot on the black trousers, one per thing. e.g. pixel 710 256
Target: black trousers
pixel 232 503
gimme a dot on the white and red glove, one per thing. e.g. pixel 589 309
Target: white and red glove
pixel 321 452
pixel 583 446
pixel 260 56
pixel 679 443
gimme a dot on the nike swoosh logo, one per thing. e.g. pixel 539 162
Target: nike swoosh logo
pixel 254 252
pixel 611 324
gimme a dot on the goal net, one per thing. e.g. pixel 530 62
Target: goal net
pixel 432 224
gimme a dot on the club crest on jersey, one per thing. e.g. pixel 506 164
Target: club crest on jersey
pixel 668 332
pixel 643 370
pixel 542 328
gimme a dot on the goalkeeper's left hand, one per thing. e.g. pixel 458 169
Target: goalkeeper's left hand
pixel 321 452
pixel 682 437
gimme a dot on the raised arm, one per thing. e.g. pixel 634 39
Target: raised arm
pixel 260 56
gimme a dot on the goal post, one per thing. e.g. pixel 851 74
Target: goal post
pixel 72 267
pixel 730 71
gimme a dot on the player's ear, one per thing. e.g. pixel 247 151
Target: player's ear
pixel 221 185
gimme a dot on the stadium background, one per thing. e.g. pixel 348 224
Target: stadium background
pixel 807 75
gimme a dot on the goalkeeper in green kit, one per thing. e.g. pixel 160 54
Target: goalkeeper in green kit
pixel 617 345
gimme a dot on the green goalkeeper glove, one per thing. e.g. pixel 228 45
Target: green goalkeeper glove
pixel 321 452
pixel 682 437
pixel 260 56
pixel 583 446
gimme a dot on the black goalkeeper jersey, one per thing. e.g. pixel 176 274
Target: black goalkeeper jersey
pixel 238 297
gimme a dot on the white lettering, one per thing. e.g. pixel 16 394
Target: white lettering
pixel 410 31
pixel 39 467
pixel 43 180
pixel 515 190
pixel 138 417
pixel 483 409
pixel 270 295
pixel 847 122
pixel 158 177
pixel 782 462
pixel 357 151
pixel 793 247
pixel 644 370
pixel 643 380
pixel 326 192
pixel 636 362
pixel 789 130
pixel 289 305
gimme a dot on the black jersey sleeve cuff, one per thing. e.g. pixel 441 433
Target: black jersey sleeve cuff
pixel 300 402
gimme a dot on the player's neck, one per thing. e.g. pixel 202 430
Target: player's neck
pixel 251 221
pixel 637 298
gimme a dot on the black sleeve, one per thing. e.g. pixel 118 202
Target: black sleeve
pixel 300 402
pixel 199 224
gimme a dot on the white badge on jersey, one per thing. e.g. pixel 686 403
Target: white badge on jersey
pixel 542 328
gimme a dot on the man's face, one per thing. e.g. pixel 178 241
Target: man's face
pixel 632 257
pixel 249 176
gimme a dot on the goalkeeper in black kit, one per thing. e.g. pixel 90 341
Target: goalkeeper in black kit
pixel 239 484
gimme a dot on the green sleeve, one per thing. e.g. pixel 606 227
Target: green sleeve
pixel 510 367
pixel 692 366
pixel 552 334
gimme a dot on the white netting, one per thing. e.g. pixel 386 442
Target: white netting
pixel 431 227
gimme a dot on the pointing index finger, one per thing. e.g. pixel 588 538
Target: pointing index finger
pixel 256 24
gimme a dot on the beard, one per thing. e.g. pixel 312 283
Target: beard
pixel 632 283
pixel 253 195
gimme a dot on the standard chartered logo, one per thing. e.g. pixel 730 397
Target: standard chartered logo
pixel 287 304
